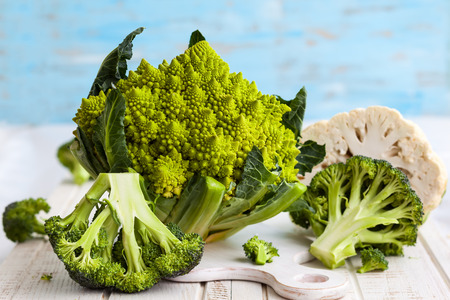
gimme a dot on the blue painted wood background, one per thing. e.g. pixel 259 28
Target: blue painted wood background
pixel 347 54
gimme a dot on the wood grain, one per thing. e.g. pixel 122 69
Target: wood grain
pixel 421 274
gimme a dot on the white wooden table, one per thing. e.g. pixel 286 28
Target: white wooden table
pixel 423 273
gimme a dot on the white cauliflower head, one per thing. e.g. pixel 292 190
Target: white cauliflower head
pixel 382 133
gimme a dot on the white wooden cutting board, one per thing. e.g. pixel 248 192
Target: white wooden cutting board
pixel 224 260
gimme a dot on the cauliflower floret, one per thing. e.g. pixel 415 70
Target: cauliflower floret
pixel 381 132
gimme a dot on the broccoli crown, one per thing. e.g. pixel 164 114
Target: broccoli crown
pixel 259 251
pixel 372 259
pixel 125 246
pixel 20 221
pixel 193 116
pixel 364 202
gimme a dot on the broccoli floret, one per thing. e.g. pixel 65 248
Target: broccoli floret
pixel 364 202
pixel 66 158
pixel 259 251
pixel 372 259
pixel 47 277
pixel 19 219
pixel 125 246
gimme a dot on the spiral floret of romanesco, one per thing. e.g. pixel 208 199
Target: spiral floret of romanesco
pixel 89 111
pixel 193 116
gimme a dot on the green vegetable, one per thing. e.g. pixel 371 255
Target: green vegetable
pixel 259 251
pixel 19 219
pixel 125 246
pixel 372 259
pixel 47 277
pixel 66 158
pixel 207 143
pixel 364 202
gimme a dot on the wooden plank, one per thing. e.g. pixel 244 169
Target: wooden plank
pixel 218 290
pixel 60 287
pixel 413 276
pixel 166 290
pixel 21 271
pixel 438 247
pixel 22 255
pixel 246 290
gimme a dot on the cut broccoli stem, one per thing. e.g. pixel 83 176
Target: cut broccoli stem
pixel 380 209
pixel 39 228
pixel 337 185
pixel 130 204
pixel 94 258
pixel 90 236
pixel 137 219
pixel 111 228
pixel 338 242
pixel 283 197
pixel 198 204
pixel 256 182
pixel 261 257
pixel 221 235
pixel 80 215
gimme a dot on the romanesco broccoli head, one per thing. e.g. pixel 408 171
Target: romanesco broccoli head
pixel 193 116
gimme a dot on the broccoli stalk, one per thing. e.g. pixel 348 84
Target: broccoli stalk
pixel 367 203
pixel 19 219
pixel 372 259
pixel 197 205
pixel 66 158
pixel 93 259
pixel 259 251
pixel 201 207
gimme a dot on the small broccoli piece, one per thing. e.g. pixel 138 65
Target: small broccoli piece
pixel 372 259
pixel 47 277
pixel 259 251
pixel 20 221
pixel 364 202
pixel 66 158
pixel 126 246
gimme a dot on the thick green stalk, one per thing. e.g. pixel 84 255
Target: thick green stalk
pixel 130 203
pixel 286 194
pixel 91 233
pixel 80 215
pixel 261 257
pixel 198 205
pixel 338 242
